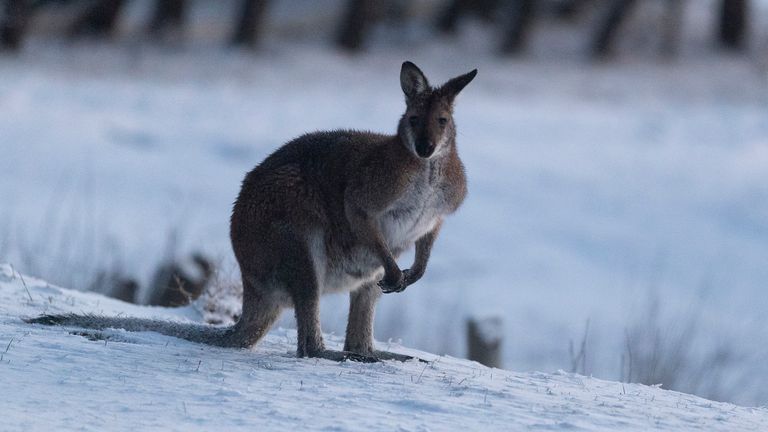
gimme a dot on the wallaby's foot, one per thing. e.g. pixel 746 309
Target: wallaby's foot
pixel 341 356
pixel 386 355
pixel 379 355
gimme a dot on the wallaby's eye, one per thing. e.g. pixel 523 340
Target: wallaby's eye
pixel 443 121
pixel 413 120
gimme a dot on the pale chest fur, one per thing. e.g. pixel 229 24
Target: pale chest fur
pixel 418 209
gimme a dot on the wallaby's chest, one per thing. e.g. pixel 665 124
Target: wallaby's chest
pixel 417 211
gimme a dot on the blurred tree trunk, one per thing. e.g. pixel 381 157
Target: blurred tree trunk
pixel 672 28
pixel 733 23
pixel 570 9
pixel 448 20
pixel 519 17
pixel 355 25
pixel 605 36
pixel 13 24
pixel 250 23
pixel 98 19
pixel 168 18
pixel 484 341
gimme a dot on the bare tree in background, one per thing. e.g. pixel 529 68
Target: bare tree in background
pixel 168 18
pixel 456 9
pixel 570 9
pixel 604 39
pixel 672 27
pixel 250 23
pixel 449 19
pixel 733 23
pixel 355 25
pixel 13 24
pixel 484 340
pixel 98 19
pixel 519 17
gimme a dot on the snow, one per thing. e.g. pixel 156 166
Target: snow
pixel 55 379
pixel 592 188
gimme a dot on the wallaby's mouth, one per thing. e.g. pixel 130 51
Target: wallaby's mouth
pixel 425 150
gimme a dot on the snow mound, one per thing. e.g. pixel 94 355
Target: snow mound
pixel 59 378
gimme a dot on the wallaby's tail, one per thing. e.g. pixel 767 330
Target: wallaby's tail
pixel 230 336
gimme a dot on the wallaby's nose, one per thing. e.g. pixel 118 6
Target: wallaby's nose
pixel 425 149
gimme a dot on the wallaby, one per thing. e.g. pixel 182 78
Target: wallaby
pixel 330 212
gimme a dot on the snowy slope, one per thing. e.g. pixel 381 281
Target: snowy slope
pixel 54 380
pixel 591 187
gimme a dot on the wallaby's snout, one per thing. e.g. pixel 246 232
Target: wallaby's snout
pixel 425 149
pixel 427 126
pixel 426 143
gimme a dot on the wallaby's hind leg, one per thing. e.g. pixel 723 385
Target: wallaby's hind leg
pixel 307 306
pixel 359 339
pixel 302 284
pixel 310 337
pixel 362 304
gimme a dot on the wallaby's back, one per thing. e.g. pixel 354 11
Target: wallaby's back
pixel 301 188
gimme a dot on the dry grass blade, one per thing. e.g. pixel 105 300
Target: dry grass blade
pixel 23 282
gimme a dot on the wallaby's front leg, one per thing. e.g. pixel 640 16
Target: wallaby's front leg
pixel 367 231
pixel 423 251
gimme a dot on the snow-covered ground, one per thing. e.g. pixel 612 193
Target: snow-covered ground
pixel 54 379
pixel 594 189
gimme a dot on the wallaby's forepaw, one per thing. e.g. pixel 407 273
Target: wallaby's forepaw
pixel 386 289
pixel 399 286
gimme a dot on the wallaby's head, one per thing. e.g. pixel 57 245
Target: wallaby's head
pixel 427 126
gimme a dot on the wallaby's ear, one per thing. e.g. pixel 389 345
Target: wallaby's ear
pixel 455 85
pixel 412 80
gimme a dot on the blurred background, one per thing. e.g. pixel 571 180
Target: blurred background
pixel 616 150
